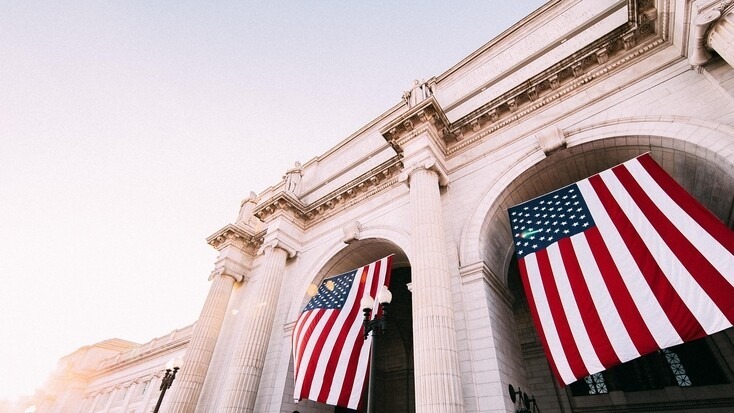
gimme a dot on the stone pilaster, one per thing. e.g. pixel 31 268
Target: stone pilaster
pixel 149 392
pixel 128 397
pixel 437 374
pixel 244 378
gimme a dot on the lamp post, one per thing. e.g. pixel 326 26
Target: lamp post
pixel 377 325
pixel 171 369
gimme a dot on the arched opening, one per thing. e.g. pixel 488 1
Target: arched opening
pixel 695 375
pixel 393 381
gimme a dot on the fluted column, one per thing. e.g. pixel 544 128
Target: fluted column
pixel 244 377
pixel 436 361
pixel 721 36
pixel 189 381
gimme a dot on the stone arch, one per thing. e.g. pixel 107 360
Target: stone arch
pixel 393 354
pixel 374 243
pixel 692 151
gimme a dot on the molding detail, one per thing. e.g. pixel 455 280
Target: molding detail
pixel 237 236
pixel 479 271
pixel 545 100
pixel 279 243
pixel 426 114
pixel 335 201
pixel 430 164
pixel 646 24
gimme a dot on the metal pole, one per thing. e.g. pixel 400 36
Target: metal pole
pixel 164 387
pixel 370 392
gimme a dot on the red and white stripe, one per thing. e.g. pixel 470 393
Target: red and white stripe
pixel 657 270
pixel 330 355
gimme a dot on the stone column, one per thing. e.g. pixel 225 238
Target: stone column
pixel 437 374
pixel 721 36
pixel 189 381
pixel 234 260
pixel 244 377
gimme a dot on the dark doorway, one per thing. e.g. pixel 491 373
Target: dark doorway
pixel 394 382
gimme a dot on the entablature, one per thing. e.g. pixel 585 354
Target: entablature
pixel 232 234
pixel 365 185
pixel 646 28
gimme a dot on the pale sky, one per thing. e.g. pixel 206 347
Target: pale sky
pixel 131 130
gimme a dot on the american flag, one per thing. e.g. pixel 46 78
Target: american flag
pixel 330 354
pixel 622 264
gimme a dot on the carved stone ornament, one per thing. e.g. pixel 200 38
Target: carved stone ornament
pixel 351 231
pixel 551 139
pixel 647 29
pixel 243 238
pixel 430 164
pixel 418 93
pixel 332 202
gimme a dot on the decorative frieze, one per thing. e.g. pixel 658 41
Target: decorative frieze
pixel 568 73
pixel 354 191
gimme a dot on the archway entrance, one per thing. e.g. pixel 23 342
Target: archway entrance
pixel 695 375
pixel 393 386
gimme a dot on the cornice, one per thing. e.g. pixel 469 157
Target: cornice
pixel 426 115
pixel 130 358
pixel 603 55
pixel 231 234
pixel 646 29
pixel 364 186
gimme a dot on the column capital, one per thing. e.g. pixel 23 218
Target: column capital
pixel 226 272
pixel 707 19
pixel 430 164
pixel 234 262
pixel 289 248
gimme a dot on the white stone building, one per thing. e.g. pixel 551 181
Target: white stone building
pixel 572 89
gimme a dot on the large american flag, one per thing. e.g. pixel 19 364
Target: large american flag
pixel 622 264
pixel 330 354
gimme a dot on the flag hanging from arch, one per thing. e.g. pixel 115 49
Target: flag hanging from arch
pixel 622 264
pixel 330 354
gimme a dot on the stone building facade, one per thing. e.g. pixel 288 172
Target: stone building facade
pixel 572 89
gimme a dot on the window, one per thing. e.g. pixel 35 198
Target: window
pixel 144 387
pixel 677 368
pixel 685 365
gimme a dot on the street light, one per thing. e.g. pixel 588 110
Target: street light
pixel 377 325
pixel 171 369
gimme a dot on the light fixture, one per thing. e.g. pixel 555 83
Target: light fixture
pixel 172 367
pixel 526 402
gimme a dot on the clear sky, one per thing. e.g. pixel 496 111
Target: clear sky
pixel 131 130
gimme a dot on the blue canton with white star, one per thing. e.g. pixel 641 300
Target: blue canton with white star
pixel 542 221
pixel 332 292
